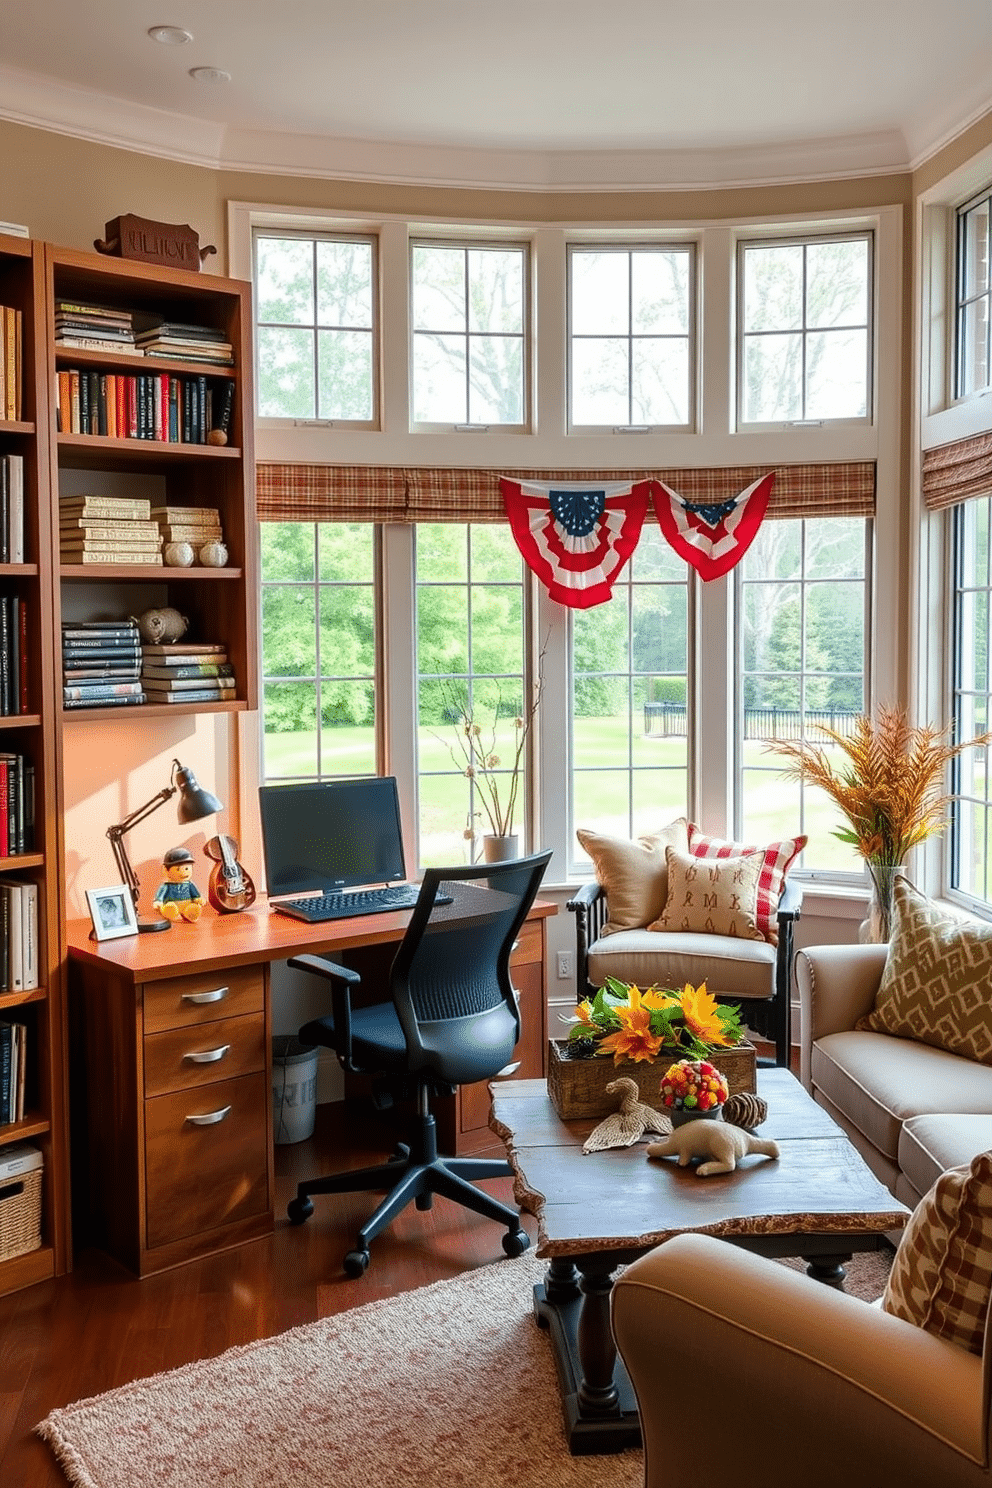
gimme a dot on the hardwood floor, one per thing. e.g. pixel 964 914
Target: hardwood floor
pixel 99 1326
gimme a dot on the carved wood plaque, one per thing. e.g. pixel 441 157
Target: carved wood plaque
pixel 175 245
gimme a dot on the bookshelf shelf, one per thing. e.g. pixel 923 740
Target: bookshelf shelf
pixel 21 860
pixel 33 1125
pixel 16 426
pixel 147 573
pixel 21 999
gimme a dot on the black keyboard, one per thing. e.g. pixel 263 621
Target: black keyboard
pixel 346 905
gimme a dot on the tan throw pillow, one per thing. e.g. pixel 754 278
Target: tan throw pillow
pixel 942 1272
pixel 633 874
pixel 714 896
pixel 936 985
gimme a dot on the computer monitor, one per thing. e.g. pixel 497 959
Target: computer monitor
pixel 331 834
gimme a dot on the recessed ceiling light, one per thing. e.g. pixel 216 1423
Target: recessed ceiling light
pixel 170 35
pixel 210 75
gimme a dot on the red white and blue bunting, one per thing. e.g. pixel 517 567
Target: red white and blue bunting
pixel 576 537
pixel 712 535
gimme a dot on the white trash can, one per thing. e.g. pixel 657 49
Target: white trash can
pixel 294 1088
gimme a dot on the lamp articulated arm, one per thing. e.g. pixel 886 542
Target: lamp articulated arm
pixel 116 835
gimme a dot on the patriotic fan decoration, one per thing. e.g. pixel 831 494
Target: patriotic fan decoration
pixel 576 536
pixel 712 535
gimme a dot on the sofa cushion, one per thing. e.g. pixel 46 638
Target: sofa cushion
pixel 634 875
pixel 650 958
pixel 879 1082
pixel 936 987
pixel 776 859
pixel 711 897
pixel 929 1145
pixel 942 1273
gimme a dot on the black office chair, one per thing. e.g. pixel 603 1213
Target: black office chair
pixel 451 1018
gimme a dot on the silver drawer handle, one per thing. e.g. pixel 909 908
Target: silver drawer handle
pixel 217 995
pixel 211 1119
pixel 208 1056
pixel 508 1070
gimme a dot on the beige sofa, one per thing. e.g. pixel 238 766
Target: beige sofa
pixel 911 1110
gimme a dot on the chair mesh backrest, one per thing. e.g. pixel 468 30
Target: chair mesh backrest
pixel 457 967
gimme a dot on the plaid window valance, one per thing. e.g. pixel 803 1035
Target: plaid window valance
pixel 290 492
pixel 956 472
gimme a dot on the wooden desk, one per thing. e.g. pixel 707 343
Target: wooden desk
pixel 171 1059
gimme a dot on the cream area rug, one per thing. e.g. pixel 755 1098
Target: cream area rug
pixel 451 1384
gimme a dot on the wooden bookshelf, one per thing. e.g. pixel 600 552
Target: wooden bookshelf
pixel 33 734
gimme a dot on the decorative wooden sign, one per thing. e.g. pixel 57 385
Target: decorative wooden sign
pixel 174 245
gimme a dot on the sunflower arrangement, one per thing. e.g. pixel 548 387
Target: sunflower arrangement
pixel 630 1024
pixel 888 783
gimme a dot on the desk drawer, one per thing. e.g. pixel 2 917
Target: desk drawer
pixel 201 1173
pixel 203 997
pixel 202 1054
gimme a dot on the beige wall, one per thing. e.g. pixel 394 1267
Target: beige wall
pixel 64 190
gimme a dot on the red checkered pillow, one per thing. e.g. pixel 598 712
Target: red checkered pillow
pixel 777 858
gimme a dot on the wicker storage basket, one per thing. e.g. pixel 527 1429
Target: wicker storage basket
pixel 577 1087
pixel 20 1214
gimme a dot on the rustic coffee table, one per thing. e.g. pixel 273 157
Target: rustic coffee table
pixel 599 1211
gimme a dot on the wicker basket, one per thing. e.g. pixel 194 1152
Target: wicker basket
pixel 577 1087
pixel 20 1214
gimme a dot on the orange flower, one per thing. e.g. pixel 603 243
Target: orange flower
pixel 634 1040
pixel 699 1009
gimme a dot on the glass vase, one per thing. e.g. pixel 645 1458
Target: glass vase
pixel 875 928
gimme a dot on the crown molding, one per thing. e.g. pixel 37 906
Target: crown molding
pixel 79 113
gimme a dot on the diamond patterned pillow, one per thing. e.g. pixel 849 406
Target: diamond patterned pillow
pixel 936 986
pixel 716 897
pixel 633 874
pixel 776 858
pixel 942 1273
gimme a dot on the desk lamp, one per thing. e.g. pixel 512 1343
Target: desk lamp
pixel 194 803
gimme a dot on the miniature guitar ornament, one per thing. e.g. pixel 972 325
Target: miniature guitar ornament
pixel 230 888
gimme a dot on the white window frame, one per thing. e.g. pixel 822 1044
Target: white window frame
pixel 549 445
pixel 314 236
pixel 683 245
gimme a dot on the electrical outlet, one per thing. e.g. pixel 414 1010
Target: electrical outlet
pixel 564 965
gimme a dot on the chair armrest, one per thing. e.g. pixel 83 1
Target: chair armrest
pixel 844 1375
pixel 790 902
pixel 590 909
pixel 341 979
pixel 837 986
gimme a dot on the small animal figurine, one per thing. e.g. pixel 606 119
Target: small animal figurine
pixel 161 626
pixel 627 1125
pixel 177 896
pixel 717 1141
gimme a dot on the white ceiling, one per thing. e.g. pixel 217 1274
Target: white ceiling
pixel 539 93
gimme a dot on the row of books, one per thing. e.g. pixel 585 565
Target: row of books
pixel 154 405
pixel 83 325
pixel 105 665
pixel 18 935
pixel 17 805
pixel 11 376
pixel 13 656
pixel 13 1081
pixel 11 508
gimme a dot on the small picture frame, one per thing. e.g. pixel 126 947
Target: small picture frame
pixel 112 912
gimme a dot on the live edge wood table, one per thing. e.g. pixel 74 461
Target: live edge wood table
pixel 599 1211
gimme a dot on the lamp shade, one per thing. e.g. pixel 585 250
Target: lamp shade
pixel 194 802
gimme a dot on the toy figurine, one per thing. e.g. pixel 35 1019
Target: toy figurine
pixel 177 896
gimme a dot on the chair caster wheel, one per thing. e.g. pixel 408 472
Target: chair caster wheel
pixel 356 1262
pixel 297 1210
pixel 401 1154
pixel 424 1201
pixel 515 1242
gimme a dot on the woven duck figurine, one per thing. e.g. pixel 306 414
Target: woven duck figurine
pixel 627 1125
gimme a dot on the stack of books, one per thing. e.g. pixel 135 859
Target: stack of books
pixel 11 324
pixel 187 673
pixel 182 342
pixel 89 327
pixel 101 664
pixel 108 529
pixel 16 805
pixel 18 936
pixel 195 525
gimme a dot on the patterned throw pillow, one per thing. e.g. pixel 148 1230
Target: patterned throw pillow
pixel 942 1273
pixel 633 874
pixel 776 858
pixel 716 897
pixel 936 986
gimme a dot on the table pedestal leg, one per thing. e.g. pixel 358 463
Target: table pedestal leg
pixel 829 1269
